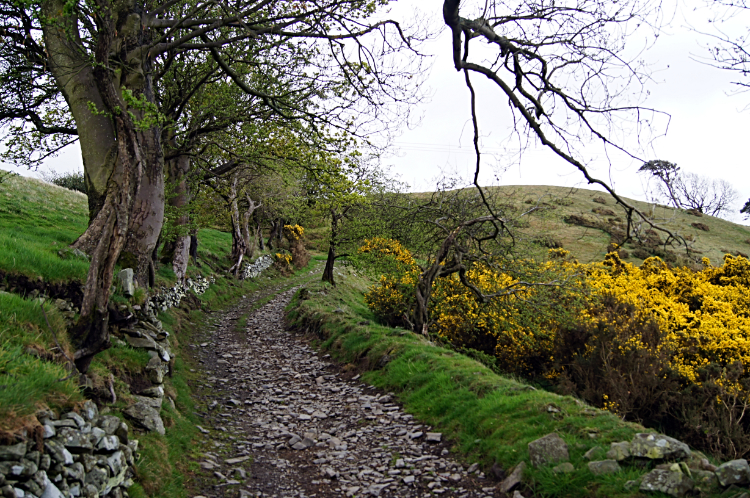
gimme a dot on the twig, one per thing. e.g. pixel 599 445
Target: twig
pixel 73 369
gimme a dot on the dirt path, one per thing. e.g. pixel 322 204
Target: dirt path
pixel 280 421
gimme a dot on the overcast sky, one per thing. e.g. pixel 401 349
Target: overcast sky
pixel 708 130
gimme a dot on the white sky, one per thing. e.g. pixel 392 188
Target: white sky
pixel 708 132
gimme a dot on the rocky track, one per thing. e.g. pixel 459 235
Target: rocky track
pixel 280 421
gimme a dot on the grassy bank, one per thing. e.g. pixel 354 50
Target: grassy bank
pixel 489 418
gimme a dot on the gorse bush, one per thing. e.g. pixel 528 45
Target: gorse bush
pixel 294 234
pixel 668 347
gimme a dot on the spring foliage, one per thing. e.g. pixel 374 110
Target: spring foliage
pixel 670 346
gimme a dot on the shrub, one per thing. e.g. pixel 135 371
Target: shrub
pixel 603 211
pixel 283 263
pixel 665 346
pixel 294 234
pixel 599 200
pixel 70 181
pixel 548 241
pixel 700 226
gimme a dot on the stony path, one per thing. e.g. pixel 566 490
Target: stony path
pixel 280 421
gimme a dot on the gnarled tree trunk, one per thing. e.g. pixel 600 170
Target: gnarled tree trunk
pixel 123 162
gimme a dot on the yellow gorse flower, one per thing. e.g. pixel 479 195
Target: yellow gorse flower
pixel 703 317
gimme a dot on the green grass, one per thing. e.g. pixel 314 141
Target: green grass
pixel 488 418
pixel 36 221
pixel 28 379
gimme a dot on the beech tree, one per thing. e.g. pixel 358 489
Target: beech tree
pixel 104 59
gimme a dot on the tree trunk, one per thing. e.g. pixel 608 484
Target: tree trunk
pixel 239 245
pixel 246 217
pixel 423 291
pixel 328 270
pixel 259 234
pixel 194 248
pixel 127 159
pixel 331 260
pixel 75 77
pixel 178 249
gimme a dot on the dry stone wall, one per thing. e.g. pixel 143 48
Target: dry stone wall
pixel 84 454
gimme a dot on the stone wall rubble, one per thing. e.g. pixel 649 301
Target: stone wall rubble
pixel 677 470
pixel 254 269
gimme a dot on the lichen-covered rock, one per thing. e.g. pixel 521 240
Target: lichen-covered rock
pixel 154 403
pixel 58 452
pixel 109 424
pixel 98 477
pixel 699 461
pixel 144 342
pixel 145 416
pixel 673 483
pixel 733 472
pixel 658 447
pixel 122 433
pixel 14 452
pixel 156 370
pixel 705 481
pixel 126 281
pixel 75 441
pixel 548 449
pixel 619 451
pixel 602 467
pixel 90 412
pixel 563 468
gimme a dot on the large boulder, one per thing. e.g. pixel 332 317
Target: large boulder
pixel 658 447
pixel 548 449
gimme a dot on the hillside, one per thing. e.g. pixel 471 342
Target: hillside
pixel 588 243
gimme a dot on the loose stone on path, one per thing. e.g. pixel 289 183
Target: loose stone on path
pixel 282 422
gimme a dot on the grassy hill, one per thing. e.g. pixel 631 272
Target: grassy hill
pixel 562 210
